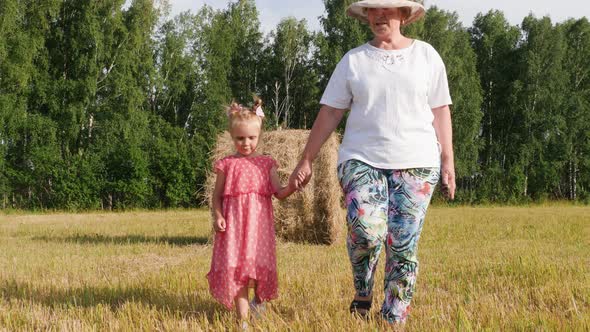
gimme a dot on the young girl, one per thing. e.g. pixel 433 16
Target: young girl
pixel 244 248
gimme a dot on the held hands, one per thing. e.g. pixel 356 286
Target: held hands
pixel 219 224
pixel 291 186
pixel 448 181
pixel 301 175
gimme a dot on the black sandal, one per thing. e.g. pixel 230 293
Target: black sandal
pixel 362 305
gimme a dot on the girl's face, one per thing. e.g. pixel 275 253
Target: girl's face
pixel 383 21
pixel 245 136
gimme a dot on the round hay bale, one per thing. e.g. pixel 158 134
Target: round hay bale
pixel 313 215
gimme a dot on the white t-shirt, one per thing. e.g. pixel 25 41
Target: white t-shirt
pixel 390 94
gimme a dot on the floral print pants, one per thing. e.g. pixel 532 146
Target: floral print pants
pixel 386 206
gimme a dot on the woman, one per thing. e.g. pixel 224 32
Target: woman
pixel 397 144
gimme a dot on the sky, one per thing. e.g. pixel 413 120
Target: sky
pixel 272 11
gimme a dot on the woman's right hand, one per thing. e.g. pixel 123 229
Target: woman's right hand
pixel 219 224
pixel 301 174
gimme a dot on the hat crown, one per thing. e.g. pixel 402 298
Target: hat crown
pixel 358 9
pixel 385 2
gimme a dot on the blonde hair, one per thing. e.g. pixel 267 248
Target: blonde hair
pixel 239 114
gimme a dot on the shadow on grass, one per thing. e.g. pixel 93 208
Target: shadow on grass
pixel 126 239
pixel 195 305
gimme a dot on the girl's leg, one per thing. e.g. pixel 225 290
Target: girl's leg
pixel 365 189
pixel 410 191
pixel 241 303
pixel 257 306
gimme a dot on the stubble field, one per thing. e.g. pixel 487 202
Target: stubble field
pixel 482 268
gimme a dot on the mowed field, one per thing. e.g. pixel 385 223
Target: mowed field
pixel 492 268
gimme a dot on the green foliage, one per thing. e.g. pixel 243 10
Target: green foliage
pixel 111 105
pixel 340 34
pixel 171 172
pixel 495 43
pixel 444 32
pixel 247 47
pixel 539 102
pixel 575 138
pixel 290 80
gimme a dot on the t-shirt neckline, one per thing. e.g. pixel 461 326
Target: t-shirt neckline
pixel 401 50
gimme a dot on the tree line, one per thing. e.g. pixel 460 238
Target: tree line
pixel 113 105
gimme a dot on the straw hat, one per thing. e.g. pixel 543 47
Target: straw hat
pixel 358 9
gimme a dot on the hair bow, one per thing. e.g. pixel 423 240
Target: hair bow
pixel 259 111
pixel 257 107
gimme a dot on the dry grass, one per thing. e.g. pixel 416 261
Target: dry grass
pixel 482 269
pixel 308 216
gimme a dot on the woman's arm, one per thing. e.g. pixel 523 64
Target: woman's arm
pixel 325 123
pixel 444 132
pixel 219 220
pixel 281 192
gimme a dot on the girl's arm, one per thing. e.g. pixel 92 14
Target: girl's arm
pixel 219 220
pixel 444 132
pixel 281 192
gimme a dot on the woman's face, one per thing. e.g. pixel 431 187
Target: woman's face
pixel 384 21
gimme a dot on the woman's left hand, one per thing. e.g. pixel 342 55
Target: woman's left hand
pixel 448 180
pixel 444 134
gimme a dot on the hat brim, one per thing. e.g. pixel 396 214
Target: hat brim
pixel 358 9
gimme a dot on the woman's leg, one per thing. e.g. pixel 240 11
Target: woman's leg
pixel 410 191
pixel 365 189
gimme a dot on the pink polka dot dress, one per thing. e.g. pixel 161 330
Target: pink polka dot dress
pixel 246 250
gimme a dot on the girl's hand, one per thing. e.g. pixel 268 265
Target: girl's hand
pixel 291 186
pixel 301 174
pixel 219 224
